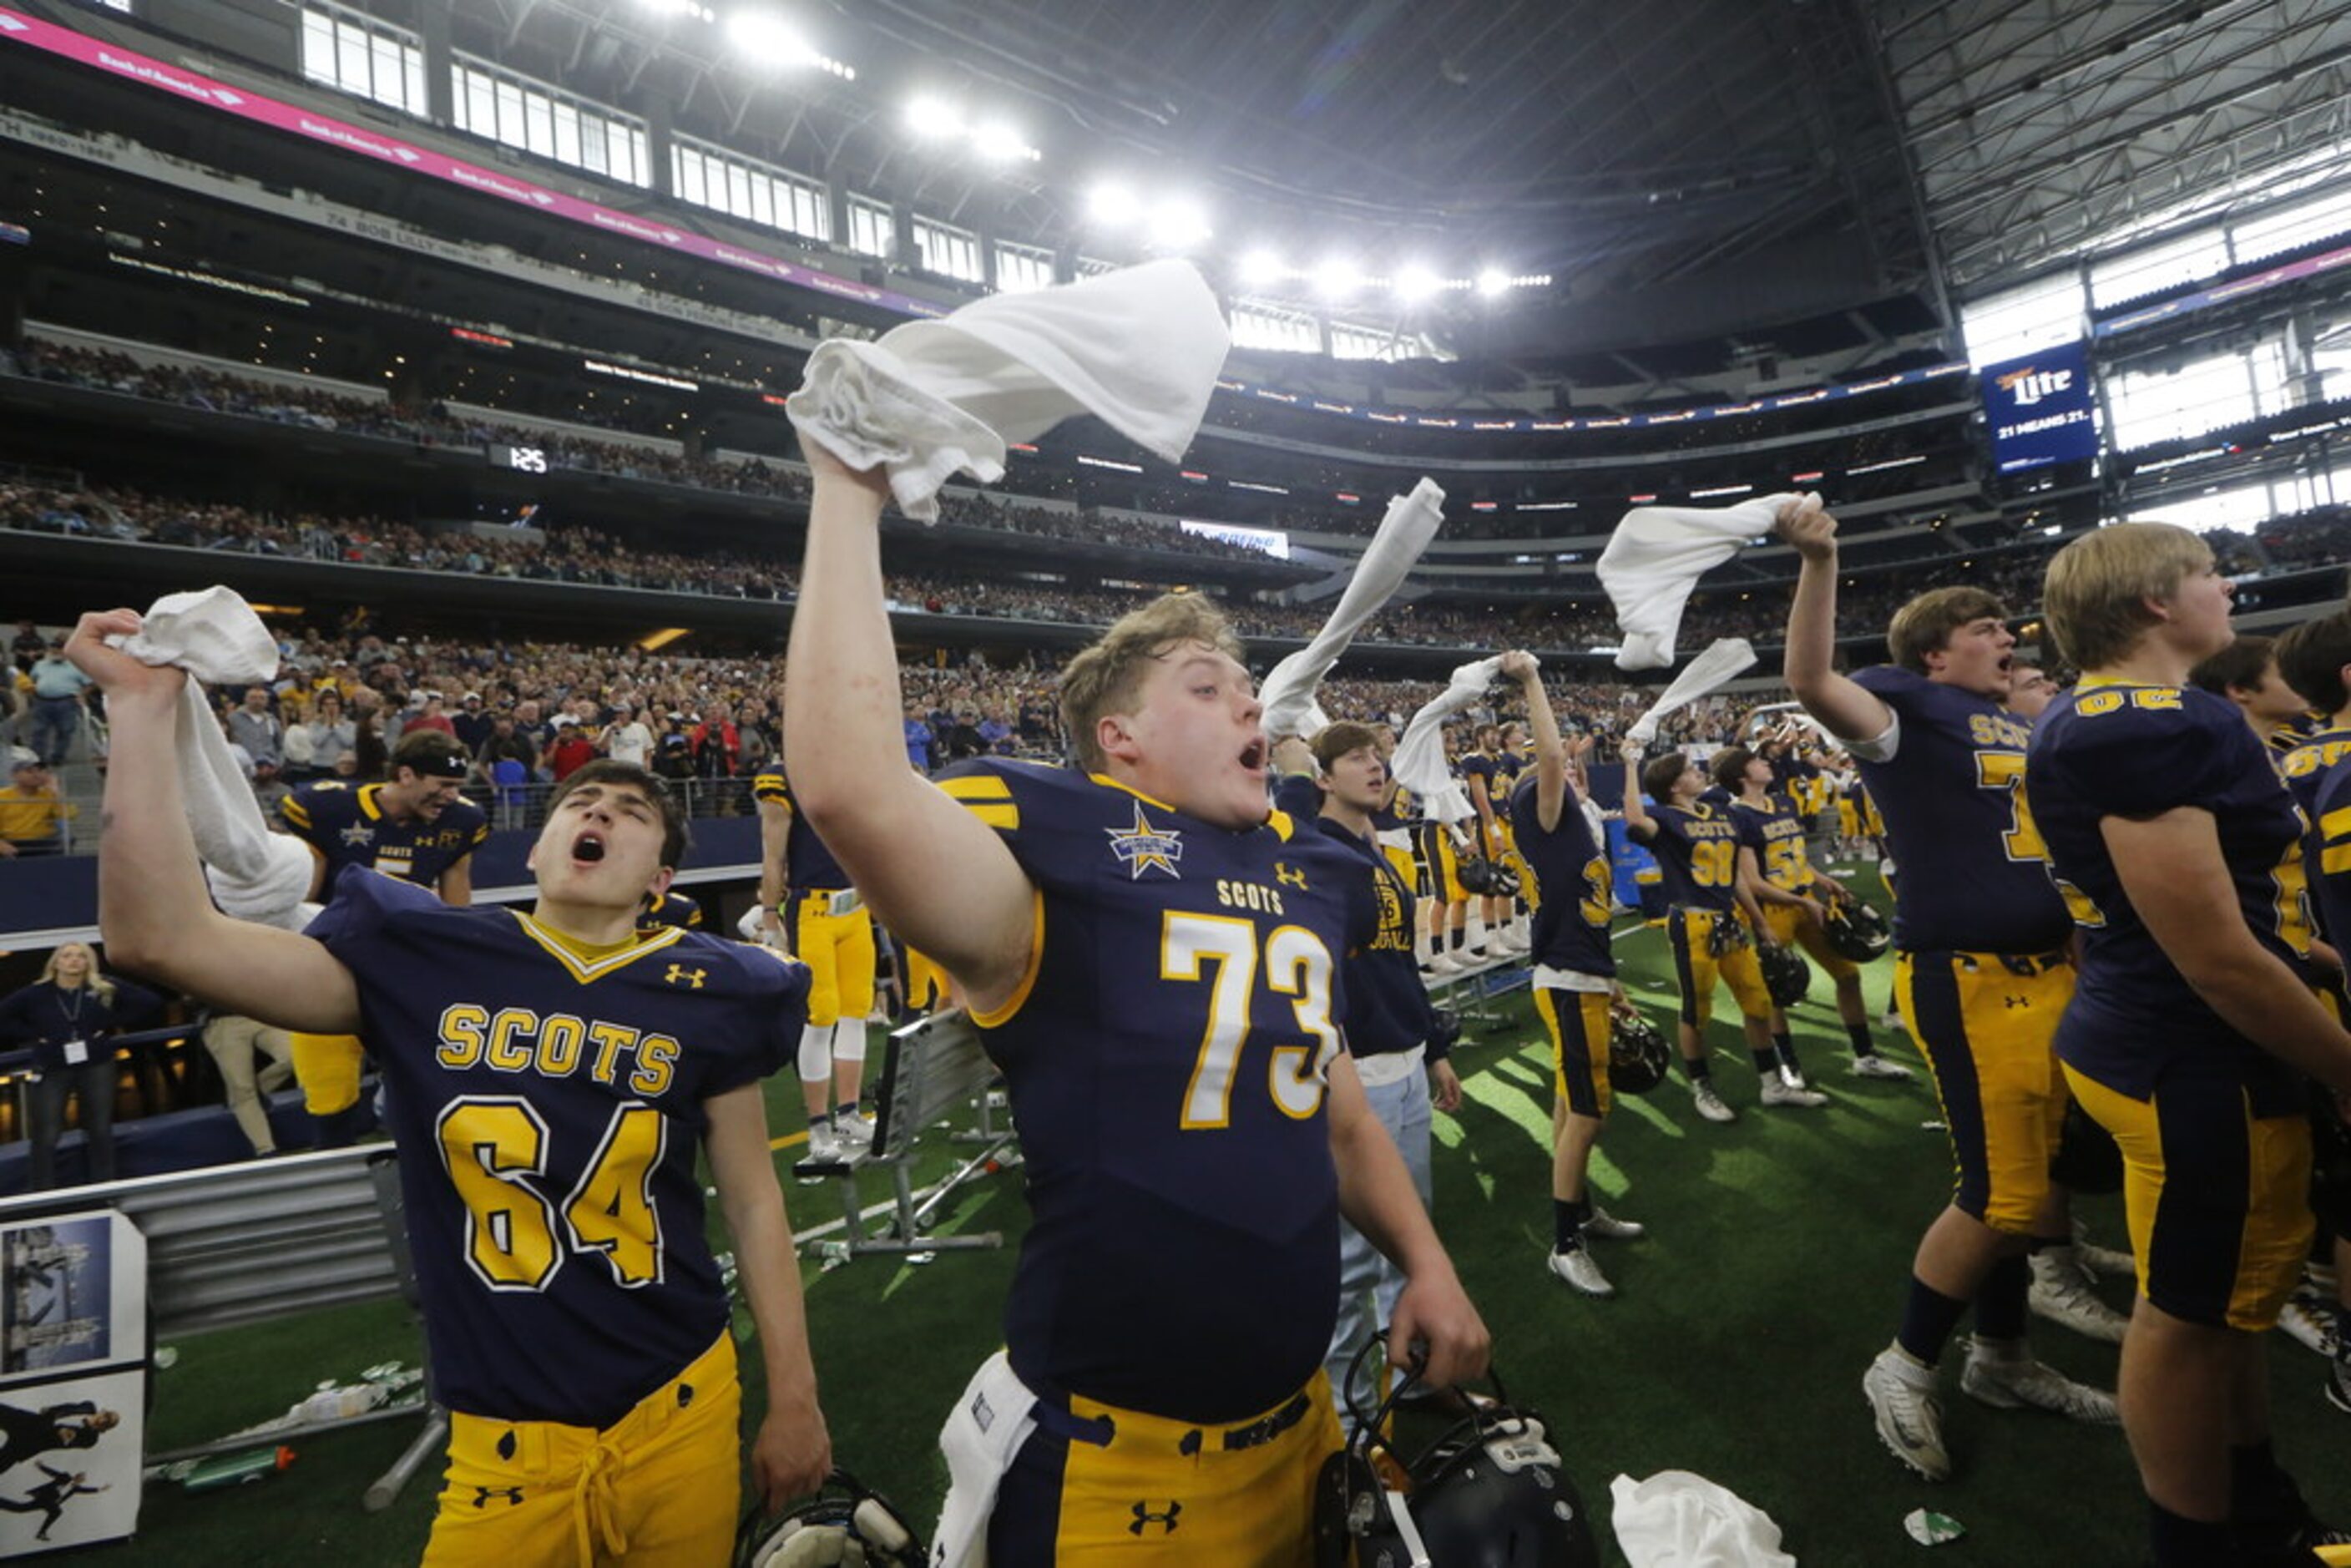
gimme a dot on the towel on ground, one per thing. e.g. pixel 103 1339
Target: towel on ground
pixel 1676 1519
pixel 1140 348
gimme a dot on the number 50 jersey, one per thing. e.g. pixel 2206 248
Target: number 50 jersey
pixel 1167 1054
pixel 546 1102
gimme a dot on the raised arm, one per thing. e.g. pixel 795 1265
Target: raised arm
pixel 1637 820
pixel 1850 711
pixel 933 873
pixel 774 826
pixel 1542 726
pixel 154 913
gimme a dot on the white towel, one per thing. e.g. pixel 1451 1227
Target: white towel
pixel 1289 690
pixel 1656 557
pixel 1140 348
pixel 1419 761
pixel 215 635
pixel 984 1432
pixel 1721 660
pixel 1676 1519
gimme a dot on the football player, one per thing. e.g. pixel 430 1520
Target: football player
pixel 811 907
pixel 1572 887
pixel 1791 892
pixel 1712 925
pixel 1399 1053
pixel 2314 659
pixel 414 826
pixel 2179 853
pixel 554 1076
pixel 1153 959
pixel 2246 674
pixel 1446 914
pixel 1982 972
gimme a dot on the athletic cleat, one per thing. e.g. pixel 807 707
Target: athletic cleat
pixel 2014 1381
pixel 2062 1294
pixel 1575 1266
pixel 2308 1319
pixel 1901 1395
pixel 1709 1103
pixel 823 1147
pixel 2099 1259
pixel 851 1132
pixel 1445 963
pixel 1777 1091
pixel 1874 1066
pixel 1608 1227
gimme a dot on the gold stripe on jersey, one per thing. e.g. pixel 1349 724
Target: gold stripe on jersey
pixel 368 808
pixel 294 811
pixel 2334 834
pixel 1282 824
pixel 586 965
pixel 986 797
pixel 1002 1013
pixel 1108 782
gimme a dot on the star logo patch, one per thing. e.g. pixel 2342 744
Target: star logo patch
pixel 359 835
pixel 1143 847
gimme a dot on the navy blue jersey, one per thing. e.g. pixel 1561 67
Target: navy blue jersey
pixel 1953 799
pixel 348 827
pixel 1387 1001
pixel 1776 833
pixel 1166 1057
pixel 1480 776
pixel 1508 767
pixel 2305 769
pixel 672 909
pixel 2328 857
pixel 1696 848
pixel 809 866
pixel 1569 882
pixel 2106 749
pixel 546 1102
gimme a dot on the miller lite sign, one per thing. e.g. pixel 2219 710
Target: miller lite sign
pixel 2039 408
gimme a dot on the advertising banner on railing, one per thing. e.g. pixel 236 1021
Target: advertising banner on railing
pixel 2039 408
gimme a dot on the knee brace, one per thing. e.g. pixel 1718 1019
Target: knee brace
pixel 816 1053
pixel 849 1041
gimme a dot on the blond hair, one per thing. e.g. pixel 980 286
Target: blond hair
pixel 1924 624
pixel 96 979
pixel 2097 592
pixel 1107 678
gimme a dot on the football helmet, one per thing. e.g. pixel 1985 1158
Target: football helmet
pixel 1483 875
pixel 1856 931
pixel 1638 1054
pixel 843 1526
pixel 1785 974
pixel 1488 1493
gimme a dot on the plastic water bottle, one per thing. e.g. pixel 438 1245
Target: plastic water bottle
pixel 237 1469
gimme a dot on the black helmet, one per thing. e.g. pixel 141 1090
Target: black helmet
pixel 1639 1055
pixel 843 1523
pixel 1856 931
pixel 1785 974
pixel 1490 1493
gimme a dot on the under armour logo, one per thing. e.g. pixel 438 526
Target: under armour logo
pixel 1143 1516
pixel 1289 875
pixel 482 1496
pixel 679 975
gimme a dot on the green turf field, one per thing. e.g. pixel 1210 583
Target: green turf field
pixel 1778 1250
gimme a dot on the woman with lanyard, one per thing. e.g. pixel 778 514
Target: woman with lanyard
pixel 68 1017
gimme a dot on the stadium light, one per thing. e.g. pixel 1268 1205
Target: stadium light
pixel 1261 269
pixel 1178 223
pixel 1493 281
pixel 934 119
pixel 1416 283
pixel 766 39
pixel 1113 205
pixel 1336 279
pixel 997 142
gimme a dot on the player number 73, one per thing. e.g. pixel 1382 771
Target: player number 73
pixel 495 1148
pixel 1297 965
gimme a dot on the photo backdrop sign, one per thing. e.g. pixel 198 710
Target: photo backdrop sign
pixel 73 1381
